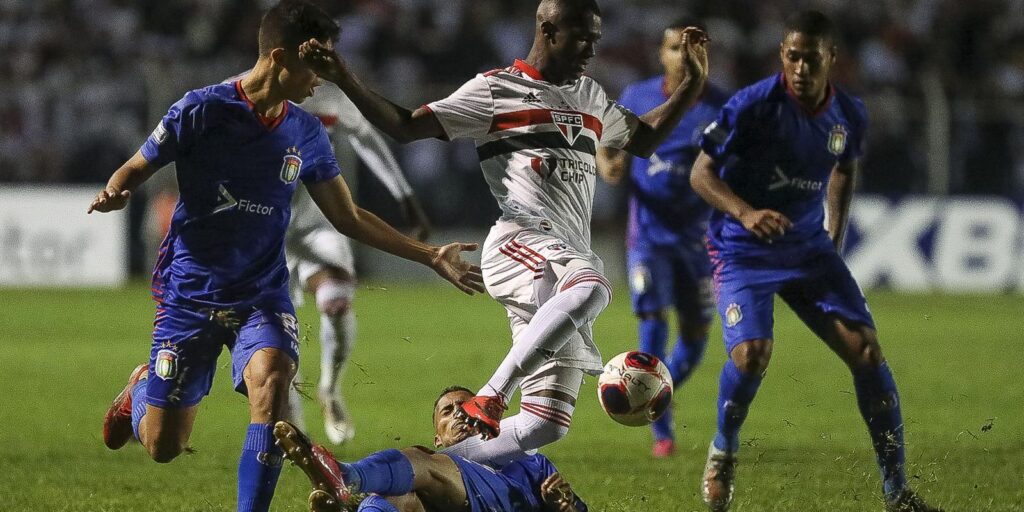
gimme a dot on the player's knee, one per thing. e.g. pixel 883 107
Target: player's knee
pixel 165 450
pixel 591 293
pixel 752 357
pixel 334 296
pixel 869 353
pixel 542 433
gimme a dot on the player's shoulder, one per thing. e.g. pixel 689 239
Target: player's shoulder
pixel 714 95
pixel 766 90
pixel 215 94
pixel 852 106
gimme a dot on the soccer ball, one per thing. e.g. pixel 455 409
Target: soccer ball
pixel 635 388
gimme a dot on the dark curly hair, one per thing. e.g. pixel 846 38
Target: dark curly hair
pixel 293 22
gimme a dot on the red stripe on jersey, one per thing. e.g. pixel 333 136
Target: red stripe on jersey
pixel 526 251
pixel 514 256
pixel 528 70
pixel 521 118
pixel 588 277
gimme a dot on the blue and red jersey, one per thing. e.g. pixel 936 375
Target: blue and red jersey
pixel 774 153
pixel 663 209
pixel 236 174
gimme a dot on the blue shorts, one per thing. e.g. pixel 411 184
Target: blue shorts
pixel 488 490
pixel 187 342
pixel 817 289
pixel 679 276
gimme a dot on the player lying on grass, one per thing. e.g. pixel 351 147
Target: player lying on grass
pixel 779 150
pixel 537 125
pixel 220 279
pixel 419 479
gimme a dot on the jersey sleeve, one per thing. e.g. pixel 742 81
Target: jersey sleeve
pixel 728 134
pixel 468 112
pixel 184 122
pixel 618 124
pixel 858 116
pixel 324 165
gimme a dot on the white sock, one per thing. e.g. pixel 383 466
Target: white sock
pixel 541 422
pixel 578 303
pixel 293 411
pixel 337 337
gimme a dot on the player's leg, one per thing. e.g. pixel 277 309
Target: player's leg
pixel 745 303
pixel 264 359
pixel 546 409
pixel 650 286
pixel 695 307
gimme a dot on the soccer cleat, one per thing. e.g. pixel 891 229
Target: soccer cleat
pixel 909 501
pixel 663 448
pixel 483 413
pixel 117 423
pixel 338 428
pixel 719 476
pixel 318 464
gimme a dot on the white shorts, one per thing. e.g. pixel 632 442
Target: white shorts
pixel 312 252
pixel 522 269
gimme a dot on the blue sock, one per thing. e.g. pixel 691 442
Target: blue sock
pixel 258 469
pixel 387 472
pixel 376 503
pixel 685 358
pixel 138 405
pixel 735 392
pixel 880 406
pixel 653 336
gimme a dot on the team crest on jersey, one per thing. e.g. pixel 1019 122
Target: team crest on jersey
pixel 292 164
pixel 837 140
pixel 569 123
pixel 733 315
pixel 166 364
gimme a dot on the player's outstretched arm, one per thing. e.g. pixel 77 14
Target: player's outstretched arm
pixel 658 123
pixel 558 495
pixel 611 164
pixel 840 195
pixel 765 224
pixel 400 123
pixel 335 201
pixel 119 188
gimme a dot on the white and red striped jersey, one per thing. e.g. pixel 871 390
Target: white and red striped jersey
pixel 537 144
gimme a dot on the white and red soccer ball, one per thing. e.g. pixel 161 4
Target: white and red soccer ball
pixel 635 388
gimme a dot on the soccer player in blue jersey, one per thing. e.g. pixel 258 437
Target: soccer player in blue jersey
pixel 779 150
pixel 668 265
pixel 419 479
pixel 220 279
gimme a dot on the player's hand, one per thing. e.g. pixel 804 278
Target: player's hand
pixel 325 62
pixel 448 263
pixel 108 200
pixel 695 55
pixel 557 494
pixel 765 224
pixel 414 214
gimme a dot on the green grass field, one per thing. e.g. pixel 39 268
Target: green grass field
pixel 65 354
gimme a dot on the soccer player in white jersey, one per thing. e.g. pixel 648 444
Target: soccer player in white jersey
pixel 320 259
pixel 537 125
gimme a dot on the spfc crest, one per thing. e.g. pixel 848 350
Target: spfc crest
pixel 569 123
pixel 291 166
pixel 733 315
pixel 166 364
pixel 837 140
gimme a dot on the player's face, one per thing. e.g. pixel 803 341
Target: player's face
pixel 671 53
pixel 807 61
pixel 449 427
pixel 296 78
pixel 575 44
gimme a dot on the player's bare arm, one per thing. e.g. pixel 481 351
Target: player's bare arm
pixel 612 164
pixel 840 195
pixel 766 224
pixel 658 123
pixel 557 495
pixel 119 188
pixel 400 123
pixel 335 201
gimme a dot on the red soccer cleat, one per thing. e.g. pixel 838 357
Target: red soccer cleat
pixel 117 423
pixel 330 494
pixel 484 414
pixel 663 448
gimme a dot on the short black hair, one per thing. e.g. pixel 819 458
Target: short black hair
pixel 293 22
pixel 812 23
pixel 565 8
pixel 685 21
pixel 445 391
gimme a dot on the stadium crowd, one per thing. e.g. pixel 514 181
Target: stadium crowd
pixel 83 81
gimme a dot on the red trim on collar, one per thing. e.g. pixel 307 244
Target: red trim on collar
pixel 528 70
pixel 829 93
pixel 267 122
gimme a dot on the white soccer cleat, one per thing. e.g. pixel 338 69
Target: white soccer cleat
pixel 337 426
